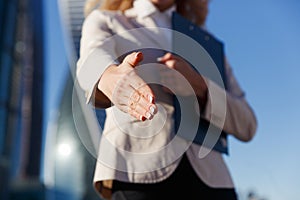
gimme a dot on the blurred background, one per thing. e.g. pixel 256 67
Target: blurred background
pixel 43 152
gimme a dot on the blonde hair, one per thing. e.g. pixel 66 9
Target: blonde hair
pixel 90 5
pixel 123 5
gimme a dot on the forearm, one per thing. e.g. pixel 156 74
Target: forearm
pixel 200 88
pixel 230 112
pixel 97 52
pixel 240 120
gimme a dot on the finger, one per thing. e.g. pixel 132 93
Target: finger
pixel 168 56
pixel 134 89
pixel 147 105
pixel 147 93
pixel 164 58
pixel 142 111
pixel 133 59
pixel 142 104
pixel 171 64
pixel 136 115
pixel 128 84
pixel 139 84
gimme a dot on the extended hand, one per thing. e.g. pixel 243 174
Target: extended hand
pixel 127 90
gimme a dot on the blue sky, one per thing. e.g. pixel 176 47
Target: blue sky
pixel 262 43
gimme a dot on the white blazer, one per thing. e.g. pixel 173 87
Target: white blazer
pixel 125 157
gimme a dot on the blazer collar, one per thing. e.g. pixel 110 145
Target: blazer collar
pixel 144 8
pixel 142 11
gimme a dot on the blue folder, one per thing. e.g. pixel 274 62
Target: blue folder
pixel 215 48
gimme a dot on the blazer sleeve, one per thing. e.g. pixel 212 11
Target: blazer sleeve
pixel 97 51
pixel 229 109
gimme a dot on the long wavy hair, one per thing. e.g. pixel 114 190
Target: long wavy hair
pixel 193 10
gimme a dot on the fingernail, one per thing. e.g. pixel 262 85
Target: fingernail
pixel 142 118
pixel 152 110
pixel 138 55
pixel 151 99
pixel 148 115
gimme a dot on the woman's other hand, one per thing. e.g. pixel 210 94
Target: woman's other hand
pixel 170 77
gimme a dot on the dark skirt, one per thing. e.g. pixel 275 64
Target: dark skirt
pixel 183 184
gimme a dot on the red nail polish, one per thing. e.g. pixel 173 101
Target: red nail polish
pixel 138 55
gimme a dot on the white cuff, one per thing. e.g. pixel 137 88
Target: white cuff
pixel 91 69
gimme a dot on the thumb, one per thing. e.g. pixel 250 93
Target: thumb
pixel 165 57
pixel 133 59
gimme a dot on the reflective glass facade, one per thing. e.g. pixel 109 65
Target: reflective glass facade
pixel 21 98
pixel 68 164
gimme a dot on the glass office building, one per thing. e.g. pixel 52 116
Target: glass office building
pixel 63 168
pixel 21 98
pixel 69 163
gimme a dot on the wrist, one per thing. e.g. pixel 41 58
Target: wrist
pixel 103 82
pixel 200 87
pixel 201 90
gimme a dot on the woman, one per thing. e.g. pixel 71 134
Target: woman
pixel 123 44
